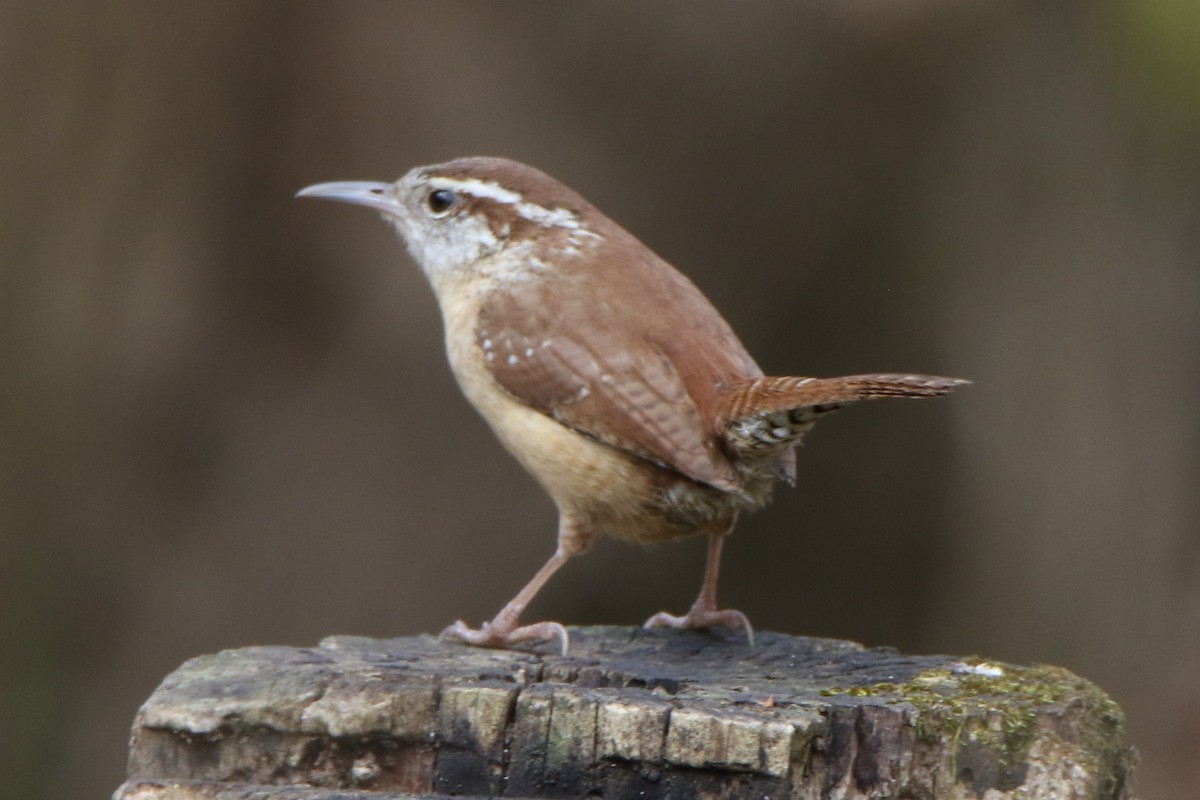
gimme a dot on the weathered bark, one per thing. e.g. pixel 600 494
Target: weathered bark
pixel 629 713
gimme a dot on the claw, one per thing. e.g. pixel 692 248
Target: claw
pixel 698 619
pixel 502 636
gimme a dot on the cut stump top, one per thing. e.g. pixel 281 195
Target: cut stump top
pixel 628 713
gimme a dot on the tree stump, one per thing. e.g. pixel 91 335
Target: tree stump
pixel 628 713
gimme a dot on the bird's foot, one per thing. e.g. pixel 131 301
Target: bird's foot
pixel 504 635
pixel 700 617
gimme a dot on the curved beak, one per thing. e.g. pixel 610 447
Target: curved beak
pixel 363 193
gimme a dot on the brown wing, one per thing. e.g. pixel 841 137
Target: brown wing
pixel 629 375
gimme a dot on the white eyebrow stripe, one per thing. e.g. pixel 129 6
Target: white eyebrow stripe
pixel 492 191
pixel 556 217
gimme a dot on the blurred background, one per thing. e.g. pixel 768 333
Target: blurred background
pixel 226 417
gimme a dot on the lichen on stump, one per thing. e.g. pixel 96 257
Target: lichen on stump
pixel 629 713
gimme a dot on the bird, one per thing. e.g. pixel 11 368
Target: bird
pixel 603 370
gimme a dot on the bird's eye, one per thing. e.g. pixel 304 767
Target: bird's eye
pixel 440 200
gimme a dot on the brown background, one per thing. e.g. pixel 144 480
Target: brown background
pixel 226 418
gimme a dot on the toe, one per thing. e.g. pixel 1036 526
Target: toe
pixel 505 636
pixel 698 619
pixel 540 631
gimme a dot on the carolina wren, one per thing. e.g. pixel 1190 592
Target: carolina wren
pixel 606 372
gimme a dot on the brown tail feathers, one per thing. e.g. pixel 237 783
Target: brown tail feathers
pixel 766 416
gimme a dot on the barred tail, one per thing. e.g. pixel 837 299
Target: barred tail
pixel 766 416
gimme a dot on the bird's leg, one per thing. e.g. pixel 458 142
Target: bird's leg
pixel 503 630
pixel 704 612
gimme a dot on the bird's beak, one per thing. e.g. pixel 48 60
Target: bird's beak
pixel 364 193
